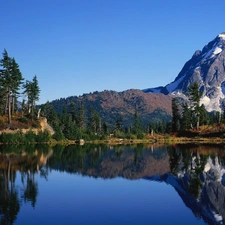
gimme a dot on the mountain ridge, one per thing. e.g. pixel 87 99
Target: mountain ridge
pixel 111 104
pixel 207 68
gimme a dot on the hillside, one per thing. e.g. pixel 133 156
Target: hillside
pixel 24 124
pixel 111 104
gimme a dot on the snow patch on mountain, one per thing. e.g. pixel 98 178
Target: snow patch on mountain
pixel 153 90
pixel 172 86
pixel 222 36
pixel 215 50
pixel 206 67
pixel 216 167
pixel 213 103
pixel 218 217
pixel 205 100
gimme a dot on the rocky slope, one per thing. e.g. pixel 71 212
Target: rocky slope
pixel 207 68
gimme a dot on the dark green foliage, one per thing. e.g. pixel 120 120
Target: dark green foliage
pixel 194 96
pixel 42 136
pixel 48 111
pixel 23 120
pixel 58 135
pixel 71 131
pixel 140 135
pixel 11 138
pixel 119 123
pixel 29 137
pixel 10 81
pixel 175 115
pixel 190 113
pixel 105 128
pixel 186 117
pixel 204 116
pixel 32 92
pixel 80 117
pixel 94 122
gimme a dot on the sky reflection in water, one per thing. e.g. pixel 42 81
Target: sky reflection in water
pixel 73 199
pixel 101 185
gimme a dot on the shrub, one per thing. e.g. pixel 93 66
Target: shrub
pixel 58 135
pixel 17 137
pixel 140 135
pixel 119 134
pixel 43 136
pixel 30 136
pixel 23 120
pixel 130 136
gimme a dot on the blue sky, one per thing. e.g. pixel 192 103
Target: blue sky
pixel 81 46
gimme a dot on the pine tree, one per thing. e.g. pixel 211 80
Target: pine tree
pixel 34 95
pixel 10 81
pixel 194 97
pixel 136 123
pixel 204 117
pixel 17 82
pixel 81 117
pixel 6 81
pixel 94 122
pixel 32 91
pixel 175 115
pixel 105 128
pixel 72 111
pixel 186 117
pixel 119 123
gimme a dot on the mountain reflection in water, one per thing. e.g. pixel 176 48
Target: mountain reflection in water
pixel 195 172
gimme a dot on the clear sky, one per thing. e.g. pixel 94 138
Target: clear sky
pixel 81 46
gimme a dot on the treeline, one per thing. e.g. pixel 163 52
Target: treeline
pixel 78 122
pixel 73 124
pixel 13 86
pixel 190 114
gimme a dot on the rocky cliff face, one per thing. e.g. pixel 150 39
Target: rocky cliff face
pixel 207 68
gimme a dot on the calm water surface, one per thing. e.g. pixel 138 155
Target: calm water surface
pixel 112 185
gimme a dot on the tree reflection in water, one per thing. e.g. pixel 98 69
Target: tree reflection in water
pixel 27 161
pixel 195 172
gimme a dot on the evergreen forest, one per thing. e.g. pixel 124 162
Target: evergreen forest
pixel 79 121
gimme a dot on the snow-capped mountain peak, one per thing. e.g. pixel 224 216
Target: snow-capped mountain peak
pixel 207 68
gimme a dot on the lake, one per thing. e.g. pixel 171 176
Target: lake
pixel 100 184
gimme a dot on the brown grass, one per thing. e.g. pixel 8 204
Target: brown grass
pixel 18 122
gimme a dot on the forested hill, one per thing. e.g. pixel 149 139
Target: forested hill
pixel 111 104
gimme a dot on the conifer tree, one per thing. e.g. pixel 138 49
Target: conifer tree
pixel 94 121
pixel 119 123
pixel 17 82
pixel 194 97
pixel 10 81
pixel 6 81
pixel 34 95
pixel 175 115
pixel 186 117
pixel 81 117
pixel 32 92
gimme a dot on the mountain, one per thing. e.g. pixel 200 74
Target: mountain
pixel 111 104
pixel 207 68
pixel 198 176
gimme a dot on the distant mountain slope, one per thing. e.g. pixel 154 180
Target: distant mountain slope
pixel 111 104
pixel 207 68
